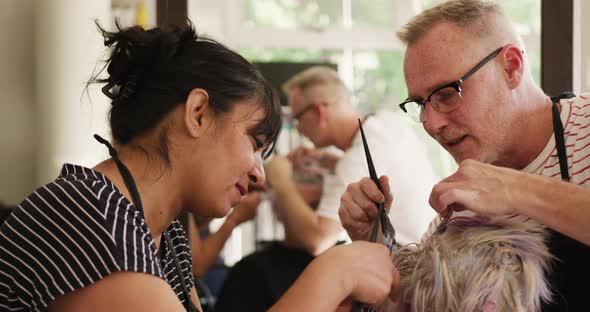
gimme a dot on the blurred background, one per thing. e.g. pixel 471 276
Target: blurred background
pixel 50 48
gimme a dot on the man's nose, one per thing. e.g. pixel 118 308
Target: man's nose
pixel 435 121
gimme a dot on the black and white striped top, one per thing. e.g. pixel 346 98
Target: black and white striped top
pixel 74 231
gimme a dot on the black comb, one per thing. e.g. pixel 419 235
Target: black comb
pixel 373 175
pixel 380 220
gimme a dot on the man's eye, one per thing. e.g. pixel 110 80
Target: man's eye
pixel 445 94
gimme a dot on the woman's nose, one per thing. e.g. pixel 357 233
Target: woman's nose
pixel 256 175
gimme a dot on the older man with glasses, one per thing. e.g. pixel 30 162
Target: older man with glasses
pixel 323 112
pixel 517 148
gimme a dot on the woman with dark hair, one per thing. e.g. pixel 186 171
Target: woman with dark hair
pixel 191 121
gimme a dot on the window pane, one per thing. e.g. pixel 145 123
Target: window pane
pixel 378 79
pixel 319 14
pixel 526 15
pixel 292 14
pixel 258 54
pixel 376 13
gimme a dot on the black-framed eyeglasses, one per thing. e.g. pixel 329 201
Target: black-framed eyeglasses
pixel 302 112
pixel 445 98
pixel 295 118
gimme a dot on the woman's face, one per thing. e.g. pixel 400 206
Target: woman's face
pixel 228 162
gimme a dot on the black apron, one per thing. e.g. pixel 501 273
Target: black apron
pixel 570 271
pixel 130 183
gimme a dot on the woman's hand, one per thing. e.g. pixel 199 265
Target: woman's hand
pixel 366 268
pixel 247 208
pixel 359 271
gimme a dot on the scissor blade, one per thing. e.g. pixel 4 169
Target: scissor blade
pixel 381 221
pixel 372 172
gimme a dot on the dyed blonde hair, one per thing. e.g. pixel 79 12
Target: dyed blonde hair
pixel 473 263
pixel 319 83
pixel 482 18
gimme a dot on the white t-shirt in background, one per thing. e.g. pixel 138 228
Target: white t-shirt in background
pixel 398 153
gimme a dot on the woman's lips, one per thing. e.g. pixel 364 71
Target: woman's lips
pixel 243 191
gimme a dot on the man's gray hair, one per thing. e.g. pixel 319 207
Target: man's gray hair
pixel 474 262
pixel 319 83
pixel 481 17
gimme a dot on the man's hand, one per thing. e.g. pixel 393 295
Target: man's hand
pixel 302 157
pixel 309 159
pixel 485 189
pixel 358 206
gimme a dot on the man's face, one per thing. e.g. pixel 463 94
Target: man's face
pixel 306 120
pixel 479 127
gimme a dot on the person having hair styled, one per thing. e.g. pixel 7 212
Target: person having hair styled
pixel 191 122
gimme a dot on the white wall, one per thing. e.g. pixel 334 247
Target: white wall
pixel 18 122
pixel 49 49
pixel 211 17
pixel 68 48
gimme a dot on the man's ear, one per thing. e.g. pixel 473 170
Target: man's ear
pixel 322 110
pixel 513 60
pixel 196 112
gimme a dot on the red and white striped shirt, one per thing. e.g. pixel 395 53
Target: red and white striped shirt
pixel 569 273
pixel 575 116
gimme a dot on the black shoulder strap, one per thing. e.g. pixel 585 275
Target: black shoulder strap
pixel 4 213
pixel 190 306
pixel 132 187
pixel 559 135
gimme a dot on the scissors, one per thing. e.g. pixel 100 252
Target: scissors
pixel 381 220
pixel 387 230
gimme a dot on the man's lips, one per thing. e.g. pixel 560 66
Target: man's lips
pixel 454 142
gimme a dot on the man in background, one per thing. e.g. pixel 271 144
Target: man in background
pixel 322 111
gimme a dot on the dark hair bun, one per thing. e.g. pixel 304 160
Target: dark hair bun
pixel 136 51
pixel 150 72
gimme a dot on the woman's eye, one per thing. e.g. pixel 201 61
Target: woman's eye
pixel 257 143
